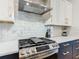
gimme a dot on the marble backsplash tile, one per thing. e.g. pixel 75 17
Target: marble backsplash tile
pixel 24 27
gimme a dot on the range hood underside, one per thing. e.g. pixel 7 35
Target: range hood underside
pixel 31 7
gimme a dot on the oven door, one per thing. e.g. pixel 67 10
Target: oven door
pixel 51 54
pixel 54 56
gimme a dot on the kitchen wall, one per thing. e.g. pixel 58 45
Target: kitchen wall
pixel 75 14
pixel 56 31
pixel 26 25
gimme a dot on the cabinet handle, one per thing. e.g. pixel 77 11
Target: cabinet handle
pixel 66 53
pixel 77 56
pixel 77 48
pixel 66 45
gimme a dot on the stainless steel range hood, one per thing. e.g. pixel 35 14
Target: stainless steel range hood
pixel 32 7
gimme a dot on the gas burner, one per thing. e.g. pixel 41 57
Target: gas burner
pixel 34 41
pixel 37 46
pixel 25 43
pixel 48 41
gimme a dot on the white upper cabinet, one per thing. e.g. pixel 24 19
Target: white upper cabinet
pixel 65 17
pixel 55 12
pixel 61 13
pixel 68 13
pixel 7 11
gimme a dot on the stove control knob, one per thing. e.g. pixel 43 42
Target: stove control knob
pixel 22 52
pixel 28 52
pixel 33 50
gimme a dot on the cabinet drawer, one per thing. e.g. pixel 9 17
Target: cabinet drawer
pixel 65 50
pixel 66 47
pixel 76 41
pixel 65 55
pixel 76 47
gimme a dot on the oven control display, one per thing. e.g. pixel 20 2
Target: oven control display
pixel 42 48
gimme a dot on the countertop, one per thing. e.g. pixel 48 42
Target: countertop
pixel 64 39
pixel 8 47
pixel 11 47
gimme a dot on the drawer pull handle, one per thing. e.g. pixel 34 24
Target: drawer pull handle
pixel 77 56
pixel 77 48
pixel 66 45
pixel 66 53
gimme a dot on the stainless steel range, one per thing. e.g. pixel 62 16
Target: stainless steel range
pixel 37 48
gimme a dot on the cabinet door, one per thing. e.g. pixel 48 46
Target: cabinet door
pixel 55 12
pixel 65 16
pixel 13 8
pixel 76 49
pixel 7 11
pixel 61 12
pixel 68 13
pixel 65 51
pixel 3 9
pixel 64 55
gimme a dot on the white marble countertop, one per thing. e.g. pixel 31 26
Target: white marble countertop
pixel 64 39
pixel 10 47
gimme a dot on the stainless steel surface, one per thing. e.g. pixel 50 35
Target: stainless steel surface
pixel 43 54
pixel 36 40
pixel 32 7
pixel 39 50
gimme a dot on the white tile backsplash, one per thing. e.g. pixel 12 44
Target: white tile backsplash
pixel 26 25
pixel 57 31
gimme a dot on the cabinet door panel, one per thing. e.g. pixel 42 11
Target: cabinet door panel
pixel 3 9
pixel 65 51
pixel 61 12
pixel 65 16
pixel 76 49
pixel 68 13
pixel 55 12
pixel 66 47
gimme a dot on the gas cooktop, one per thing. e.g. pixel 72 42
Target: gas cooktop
pixel 34 41
pixel 34 47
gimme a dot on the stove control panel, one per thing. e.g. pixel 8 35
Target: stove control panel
pixel 38 49
pixel 27 51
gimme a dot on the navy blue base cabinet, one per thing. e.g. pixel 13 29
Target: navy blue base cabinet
pixel 11 56
pixel 76 49
pixel 69 50
pixel 65 50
